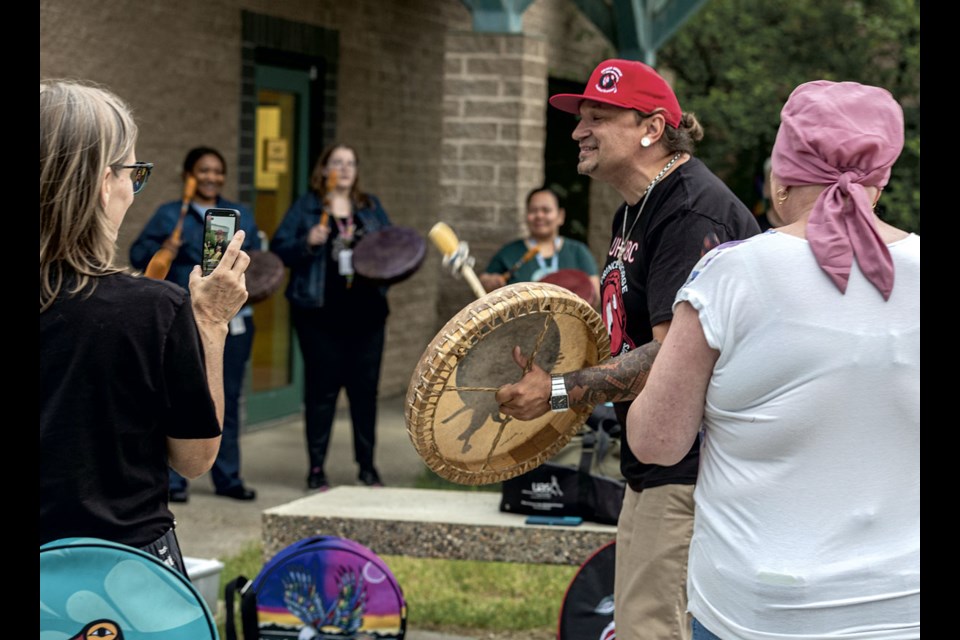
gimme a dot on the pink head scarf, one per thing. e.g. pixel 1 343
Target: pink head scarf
pixel 846 136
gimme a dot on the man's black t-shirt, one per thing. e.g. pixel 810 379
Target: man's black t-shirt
pixel 121 369
pixel 687 213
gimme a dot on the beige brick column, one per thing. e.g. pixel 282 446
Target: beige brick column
pixel 495 100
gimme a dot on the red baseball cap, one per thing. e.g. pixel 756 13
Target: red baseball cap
pixel 627 84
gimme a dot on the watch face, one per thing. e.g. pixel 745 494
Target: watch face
pixel 559 403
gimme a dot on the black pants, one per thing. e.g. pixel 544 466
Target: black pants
pixel 335 358
pixel 167 549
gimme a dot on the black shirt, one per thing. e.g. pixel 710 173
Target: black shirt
pixel 687 213
pixel 121 369
pixel 353 303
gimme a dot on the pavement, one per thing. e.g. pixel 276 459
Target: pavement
pixel 274 462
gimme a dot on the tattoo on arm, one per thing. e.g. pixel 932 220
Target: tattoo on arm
pixel 616 380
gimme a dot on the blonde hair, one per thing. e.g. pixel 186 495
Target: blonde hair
pixel 84 130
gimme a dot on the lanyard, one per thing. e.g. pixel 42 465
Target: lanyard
pixel 346 227
pixel 554 259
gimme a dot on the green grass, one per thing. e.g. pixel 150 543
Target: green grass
pixel 495 596
pixel 246 563
pixel 460 594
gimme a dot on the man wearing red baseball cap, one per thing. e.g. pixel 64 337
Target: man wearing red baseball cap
pixel 634 136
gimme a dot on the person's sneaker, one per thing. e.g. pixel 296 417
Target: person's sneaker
pixel 317 480
pixel 370 478
pixel 239 492
pixel 179 495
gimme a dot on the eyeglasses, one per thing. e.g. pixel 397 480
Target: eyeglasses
pixel 139 175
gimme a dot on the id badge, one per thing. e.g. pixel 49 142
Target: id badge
pixel 237 326
pixel 345 262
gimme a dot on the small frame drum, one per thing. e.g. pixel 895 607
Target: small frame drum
pixel 574 280
pixel 264 276
pixel 452 414
pixel 389 255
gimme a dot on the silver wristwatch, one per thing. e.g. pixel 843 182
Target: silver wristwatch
pixel 558 394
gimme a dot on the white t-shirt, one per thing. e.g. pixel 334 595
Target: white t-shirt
pixel 808 501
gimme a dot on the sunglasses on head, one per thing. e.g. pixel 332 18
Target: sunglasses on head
pixel 139 175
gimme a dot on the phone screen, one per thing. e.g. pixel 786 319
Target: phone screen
pixel 219 227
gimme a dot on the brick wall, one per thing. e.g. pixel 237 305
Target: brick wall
pixel 493 128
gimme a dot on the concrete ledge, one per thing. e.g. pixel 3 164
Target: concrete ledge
pixel 422 523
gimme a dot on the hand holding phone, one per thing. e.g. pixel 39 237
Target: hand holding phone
pixel 219 227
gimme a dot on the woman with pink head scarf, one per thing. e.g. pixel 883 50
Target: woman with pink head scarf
pixel 797 353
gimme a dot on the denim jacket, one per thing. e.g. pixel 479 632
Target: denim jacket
pixel 308 265
pixel 163 222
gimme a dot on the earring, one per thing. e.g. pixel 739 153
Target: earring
pixel 645 141
pixel 782 195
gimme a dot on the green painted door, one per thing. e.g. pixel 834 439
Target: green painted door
pixel 281 169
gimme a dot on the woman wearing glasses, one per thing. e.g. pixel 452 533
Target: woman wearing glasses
pixel 123 388
pixel 340 321
pixel 208 167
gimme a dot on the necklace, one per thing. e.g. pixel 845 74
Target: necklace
pixel 643 201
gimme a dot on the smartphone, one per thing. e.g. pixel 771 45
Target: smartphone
pixel 560 521
pixel 219 227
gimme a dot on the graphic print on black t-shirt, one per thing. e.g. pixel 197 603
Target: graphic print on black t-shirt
pixel 612 288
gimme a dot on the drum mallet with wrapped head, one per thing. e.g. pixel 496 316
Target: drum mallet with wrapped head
pixel 456 256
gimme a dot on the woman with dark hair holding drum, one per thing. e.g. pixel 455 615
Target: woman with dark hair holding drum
pixel 544 251
pixel 340 319
pixel 124 391
pixel 205 168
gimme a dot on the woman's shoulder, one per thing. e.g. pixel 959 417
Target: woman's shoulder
pixel 730 254
pixel 308 200
pixel 370 208
pixel 223 203
pixel 518 245
pixel 168 208
pixel 137 290
pixel 575 245
pixel 371 204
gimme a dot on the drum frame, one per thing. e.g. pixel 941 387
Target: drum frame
pixel 440 359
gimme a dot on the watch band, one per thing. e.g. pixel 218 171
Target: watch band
pixel 559 401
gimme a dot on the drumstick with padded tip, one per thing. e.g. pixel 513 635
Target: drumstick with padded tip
pixel 162 260
pixel 527 257
pixel 444 239
pixel 332 178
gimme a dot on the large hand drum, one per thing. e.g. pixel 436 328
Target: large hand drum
pixel 389 255
pixel 452 415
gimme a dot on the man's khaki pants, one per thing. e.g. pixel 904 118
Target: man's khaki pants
pixel 653 539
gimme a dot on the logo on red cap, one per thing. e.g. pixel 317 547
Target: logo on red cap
pixel 609 77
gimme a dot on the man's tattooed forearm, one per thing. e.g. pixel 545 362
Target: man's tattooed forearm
pixel 617 380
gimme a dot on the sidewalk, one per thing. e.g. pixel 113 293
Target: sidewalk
pixel 274 462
